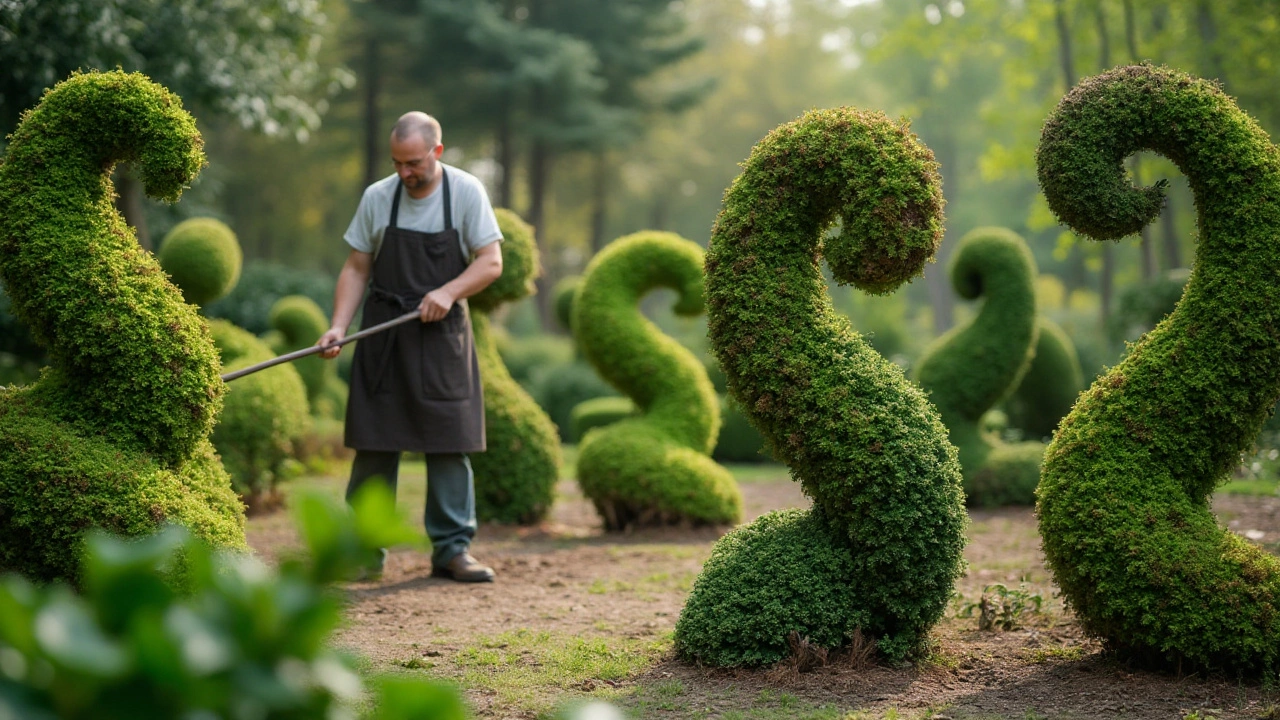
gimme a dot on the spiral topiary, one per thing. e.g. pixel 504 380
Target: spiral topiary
pixel 115 434
pixel 971 368
pixel 298 323
pixel 1050 386
pixel 880 550
pixel 652 469
pixel 1124 498
pixel 202 256
pixel 265 413
pixel 516 477
pixel 564 386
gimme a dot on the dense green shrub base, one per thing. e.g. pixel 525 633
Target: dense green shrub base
pixel 263 414
pixel 516 476
pixel 636 476
pixel 864 442
pixel 1124 499
pixel 56 482
pixel 785 572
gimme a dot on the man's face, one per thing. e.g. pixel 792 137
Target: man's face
pixel 415 161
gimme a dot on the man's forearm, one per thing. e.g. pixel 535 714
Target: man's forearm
pixel 478 276
pixel 347 295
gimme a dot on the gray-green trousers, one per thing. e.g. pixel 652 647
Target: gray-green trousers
pixel 450 516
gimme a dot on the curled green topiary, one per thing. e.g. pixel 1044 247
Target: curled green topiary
pixel 516 477
pixel 202 256
pixel 1050 386
pixel 887 526
pixel 562 297
pixel 601 411
pixel 653 469
pixel 299 322
pixel 264 414
pixel 115 433
pixel 971 368
pixel 1124 498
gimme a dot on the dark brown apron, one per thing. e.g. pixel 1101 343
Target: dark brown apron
pixel 416 387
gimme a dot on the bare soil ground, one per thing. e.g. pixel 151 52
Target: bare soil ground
pixel 578 613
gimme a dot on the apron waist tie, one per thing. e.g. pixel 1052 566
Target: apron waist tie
pixel 404 302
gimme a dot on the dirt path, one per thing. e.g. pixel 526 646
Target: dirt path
pixel 577 612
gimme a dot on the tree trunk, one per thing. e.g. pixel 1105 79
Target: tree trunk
pixel 373 133
pixel 539 179
pixel 130 204
pixel 599 199
pixel 506 155
pixel 1107 278
pixel 1064 43
pixel 1104 37
pixel 937 279
pixel 1147 250
pixel 1207 26
pixel 1130 31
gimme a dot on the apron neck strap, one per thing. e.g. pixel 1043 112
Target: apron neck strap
pixel 448 201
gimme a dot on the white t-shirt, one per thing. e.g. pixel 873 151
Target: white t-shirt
pixel 472 214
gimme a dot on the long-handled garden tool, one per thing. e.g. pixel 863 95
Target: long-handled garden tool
pixel 304 352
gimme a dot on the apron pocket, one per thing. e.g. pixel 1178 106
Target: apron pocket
pixel 446 361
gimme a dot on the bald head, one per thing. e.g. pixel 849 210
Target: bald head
pixel 417 123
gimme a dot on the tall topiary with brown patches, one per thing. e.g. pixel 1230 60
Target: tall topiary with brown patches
pixel 1124 497
pixel 880 550
pixel 263 413
pixel 516 477
pixel 115 433
pixel 974 366
pixel 655 468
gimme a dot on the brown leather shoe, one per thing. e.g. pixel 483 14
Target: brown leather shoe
pixel 464 568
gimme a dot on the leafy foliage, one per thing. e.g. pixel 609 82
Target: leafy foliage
pixel 864 442
pixel 601 411
pixel 516 476
pixel 234 639
pixel 1000 608
pixel 653 469
pixel 115 433
pixel 299 322
pixel 262 284
pixel 970 369
pixel 1124 498
pixel 202 256
pixel 1050 386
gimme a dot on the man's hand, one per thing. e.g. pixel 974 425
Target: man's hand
pixel 435 305
pixel 333 335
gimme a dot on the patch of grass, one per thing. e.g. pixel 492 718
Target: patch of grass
pixel 657 582
pixel 532 671
pixel 1000 608
pixel 759 472
pixel 1066 653
pixel 1262 486
pixel 674 552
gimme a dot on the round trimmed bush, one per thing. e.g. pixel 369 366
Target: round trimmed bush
pixel 265 414
pixel 1050 386
pixel 1124 501
pixel 115 434
pixel 864 443
pixel 971 368
pixel 653 469
pixel 202 256
pixel 516 477
pixel 298 323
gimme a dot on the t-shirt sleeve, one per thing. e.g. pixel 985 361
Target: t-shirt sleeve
pixel 480 224
pixel 359 233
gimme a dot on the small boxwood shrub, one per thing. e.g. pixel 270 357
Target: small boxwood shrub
pixel 971 368
pixel 202 256
pixel 653 469
pixel 262 283
pixel 864 442
pixel 516 477
pixel 233 640
pixel 298 323
pixel 115 433
pixel 1124 501
pixel 263 414
pixel 1050 386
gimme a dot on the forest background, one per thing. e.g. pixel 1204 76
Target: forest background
pixel 594 119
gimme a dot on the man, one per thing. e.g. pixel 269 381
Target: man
pixel 416 387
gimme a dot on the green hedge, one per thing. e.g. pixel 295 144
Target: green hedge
pixel 971 368
pixel 864 442
pixel 115 433
pixel 653 469
pixel 264 414
pixel 1050 386
pixel 601 411
pixel 516 477
pixel 739 441
pixel 262 283
pixel 1124 501
pixel 298 323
